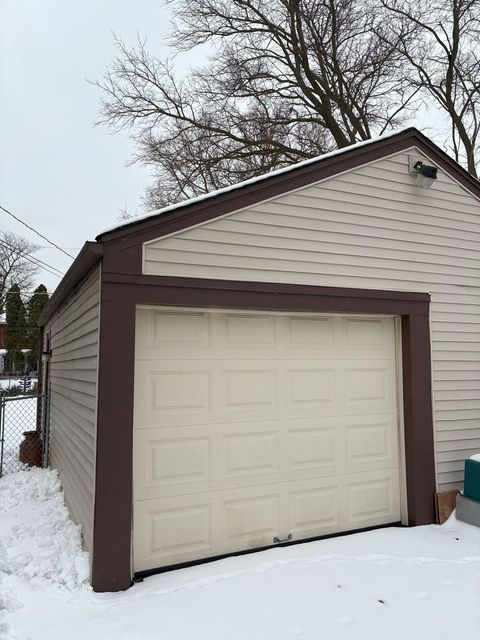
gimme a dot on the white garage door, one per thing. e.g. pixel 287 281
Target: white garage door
pixel 255 426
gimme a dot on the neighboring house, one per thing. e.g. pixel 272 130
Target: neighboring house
pixel 256 365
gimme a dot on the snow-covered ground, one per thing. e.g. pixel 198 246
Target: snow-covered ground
pixel 403 584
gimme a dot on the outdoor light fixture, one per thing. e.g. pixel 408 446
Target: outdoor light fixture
pixel 426 173
pixel 45 356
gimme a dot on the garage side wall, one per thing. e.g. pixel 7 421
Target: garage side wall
pixel 73 336
pixel 369 228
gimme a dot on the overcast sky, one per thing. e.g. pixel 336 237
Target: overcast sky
pixel 58 172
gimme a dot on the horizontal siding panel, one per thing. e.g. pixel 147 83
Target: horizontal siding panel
pixel 82 496
pixel 445 375
pixel 73 444
pixel 465 386
pixel 447 301
pixel 83 310
pixel 457 435
pixel 456 346
pixel 442 369
pixel 465 444
pixel 74 309
pixel 358 257
pixel 444 423
pixel 457 356
pixel 316 277
pixel 350 213
pixel 457 395
pixel 451 486
pixel 384 193
pixel 85 400
pixel 370 228
pixel 397 175
pixel 439 199
pixel 78 504
pixel 449 478
pixel 78 365
pixel 271 226
pixel 458 415
pixel 86 374
pixel 365 227
pixel 77 350
pixel 84 493
pixel 242 242
pixel 403 276
pixel 460 334
pixel 74 331
pixel 452 465
pixel 88 325
pixel 80 422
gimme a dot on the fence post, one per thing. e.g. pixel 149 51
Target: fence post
pixel 45 426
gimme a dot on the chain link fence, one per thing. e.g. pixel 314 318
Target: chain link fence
pixel 20 442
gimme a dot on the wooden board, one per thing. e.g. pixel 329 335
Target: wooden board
pixel 444 505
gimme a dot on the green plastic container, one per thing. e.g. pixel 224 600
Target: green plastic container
pixel 472 479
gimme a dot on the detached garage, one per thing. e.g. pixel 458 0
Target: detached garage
pixel 255 366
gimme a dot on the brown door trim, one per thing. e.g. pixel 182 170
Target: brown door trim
pixel 111 567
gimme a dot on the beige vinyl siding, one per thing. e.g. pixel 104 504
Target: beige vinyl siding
pixel 371 227
pixel 74 334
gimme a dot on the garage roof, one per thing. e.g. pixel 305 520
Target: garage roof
pixel 298 175
pixel 214 204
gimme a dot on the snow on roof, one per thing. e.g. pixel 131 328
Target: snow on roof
pixel 238 185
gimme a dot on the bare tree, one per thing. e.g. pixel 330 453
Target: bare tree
pixel 285 80
pixel 443 58
pixel 16 267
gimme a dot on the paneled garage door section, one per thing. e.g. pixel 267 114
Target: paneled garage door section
pixel 255 426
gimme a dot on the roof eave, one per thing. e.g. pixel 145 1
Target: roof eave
pixel 90 254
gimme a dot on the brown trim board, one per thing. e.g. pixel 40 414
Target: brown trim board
pixel 111 567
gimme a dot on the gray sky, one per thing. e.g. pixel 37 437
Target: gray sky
pixel 58 172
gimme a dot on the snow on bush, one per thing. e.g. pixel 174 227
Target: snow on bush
pixel 38 541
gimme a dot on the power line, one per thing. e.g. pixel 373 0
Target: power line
pixel 37 263
pixel 45 246
pixel 29 256
pixel 35 231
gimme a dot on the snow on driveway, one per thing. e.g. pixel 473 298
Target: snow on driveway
pixel 403 584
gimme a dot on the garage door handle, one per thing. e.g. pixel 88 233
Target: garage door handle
pixel 287 539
